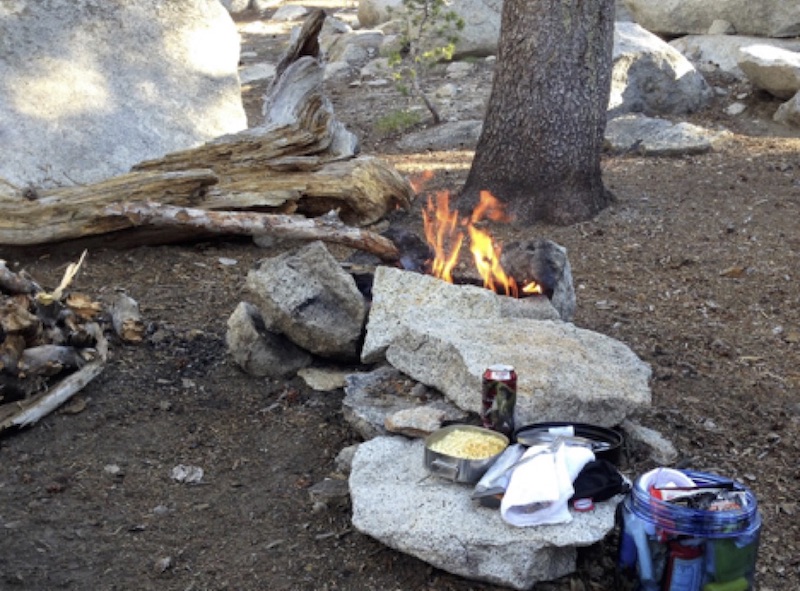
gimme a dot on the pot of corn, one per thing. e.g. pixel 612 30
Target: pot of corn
pixel 463 453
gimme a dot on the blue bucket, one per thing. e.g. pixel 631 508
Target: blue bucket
pixel 669 545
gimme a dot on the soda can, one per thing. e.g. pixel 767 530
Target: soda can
pixel 499 395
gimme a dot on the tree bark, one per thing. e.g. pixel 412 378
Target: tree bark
pixel 540 148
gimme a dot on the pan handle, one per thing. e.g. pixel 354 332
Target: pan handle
pixel 444 468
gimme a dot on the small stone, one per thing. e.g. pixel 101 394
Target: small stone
pixel 418 421
pixel 113 470
pixel 344 459
pixel 290 13
pixel 323 380
pixel 187 474
pixel 330 492
pixel 735 109
pixel 162 564
pixel 721 27
pixel 446 91
pixel 457 70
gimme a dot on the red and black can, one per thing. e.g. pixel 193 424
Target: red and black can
pixel 499 392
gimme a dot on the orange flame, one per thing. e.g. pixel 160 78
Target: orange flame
pixel 420 180
pixel 444 233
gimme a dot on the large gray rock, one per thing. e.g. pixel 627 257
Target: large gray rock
pixel 450 135
pixel 651 77
pixel 789 112
pixel 258 351
pixel 772 69
pixel 376 12
pixel 481 22
pixel 722 51
pixel 565 373
pixel 397 502
pixel 397 294
pixel 481 27
pixel 764 18
pixel 650 136
pixel 305 295
pixel 446 337
pixel 354 47
pixel 91 88
pixel 236 6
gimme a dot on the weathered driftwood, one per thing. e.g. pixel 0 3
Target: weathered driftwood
pixel 305 43
pixel 327 228
pixel 27 412
pixel 126 318
pixel 300 160
pixel 43 336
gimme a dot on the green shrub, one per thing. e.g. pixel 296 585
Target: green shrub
pixel 428 35
pixel 397 121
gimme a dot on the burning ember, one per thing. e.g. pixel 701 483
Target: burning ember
pixel 446 233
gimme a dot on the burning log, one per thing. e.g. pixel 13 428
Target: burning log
pixel 45 336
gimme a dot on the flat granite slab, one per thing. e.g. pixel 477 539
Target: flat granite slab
pixel 396 501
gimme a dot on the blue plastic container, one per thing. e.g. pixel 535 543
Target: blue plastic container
pixel 667 546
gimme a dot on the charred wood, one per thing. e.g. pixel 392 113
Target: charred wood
pixel 14 283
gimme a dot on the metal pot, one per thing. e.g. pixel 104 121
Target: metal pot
pixel 460 469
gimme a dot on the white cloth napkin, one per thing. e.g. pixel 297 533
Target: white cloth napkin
pixel 539 489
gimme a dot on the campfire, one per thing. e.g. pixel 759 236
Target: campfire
pixel 446 233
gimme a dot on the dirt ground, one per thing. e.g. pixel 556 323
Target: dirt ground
pixel 695 267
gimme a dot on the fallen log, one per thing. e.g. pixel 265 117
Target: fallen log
pixel 327 228
pixel 301 160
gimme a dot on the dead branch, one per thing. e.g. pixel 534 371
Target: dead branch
pixel 327 228
pixel 29 411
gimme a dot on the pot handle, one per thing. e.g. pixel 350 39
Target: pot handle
pixel 444 468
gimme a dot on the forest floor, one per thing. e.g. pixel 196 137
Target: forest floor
pixel 695 267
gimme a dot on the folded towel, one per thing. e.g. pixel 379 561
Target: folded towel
pixel 540 488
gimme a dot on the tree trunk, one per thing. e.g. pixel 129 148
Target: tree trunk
pixel 539 151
